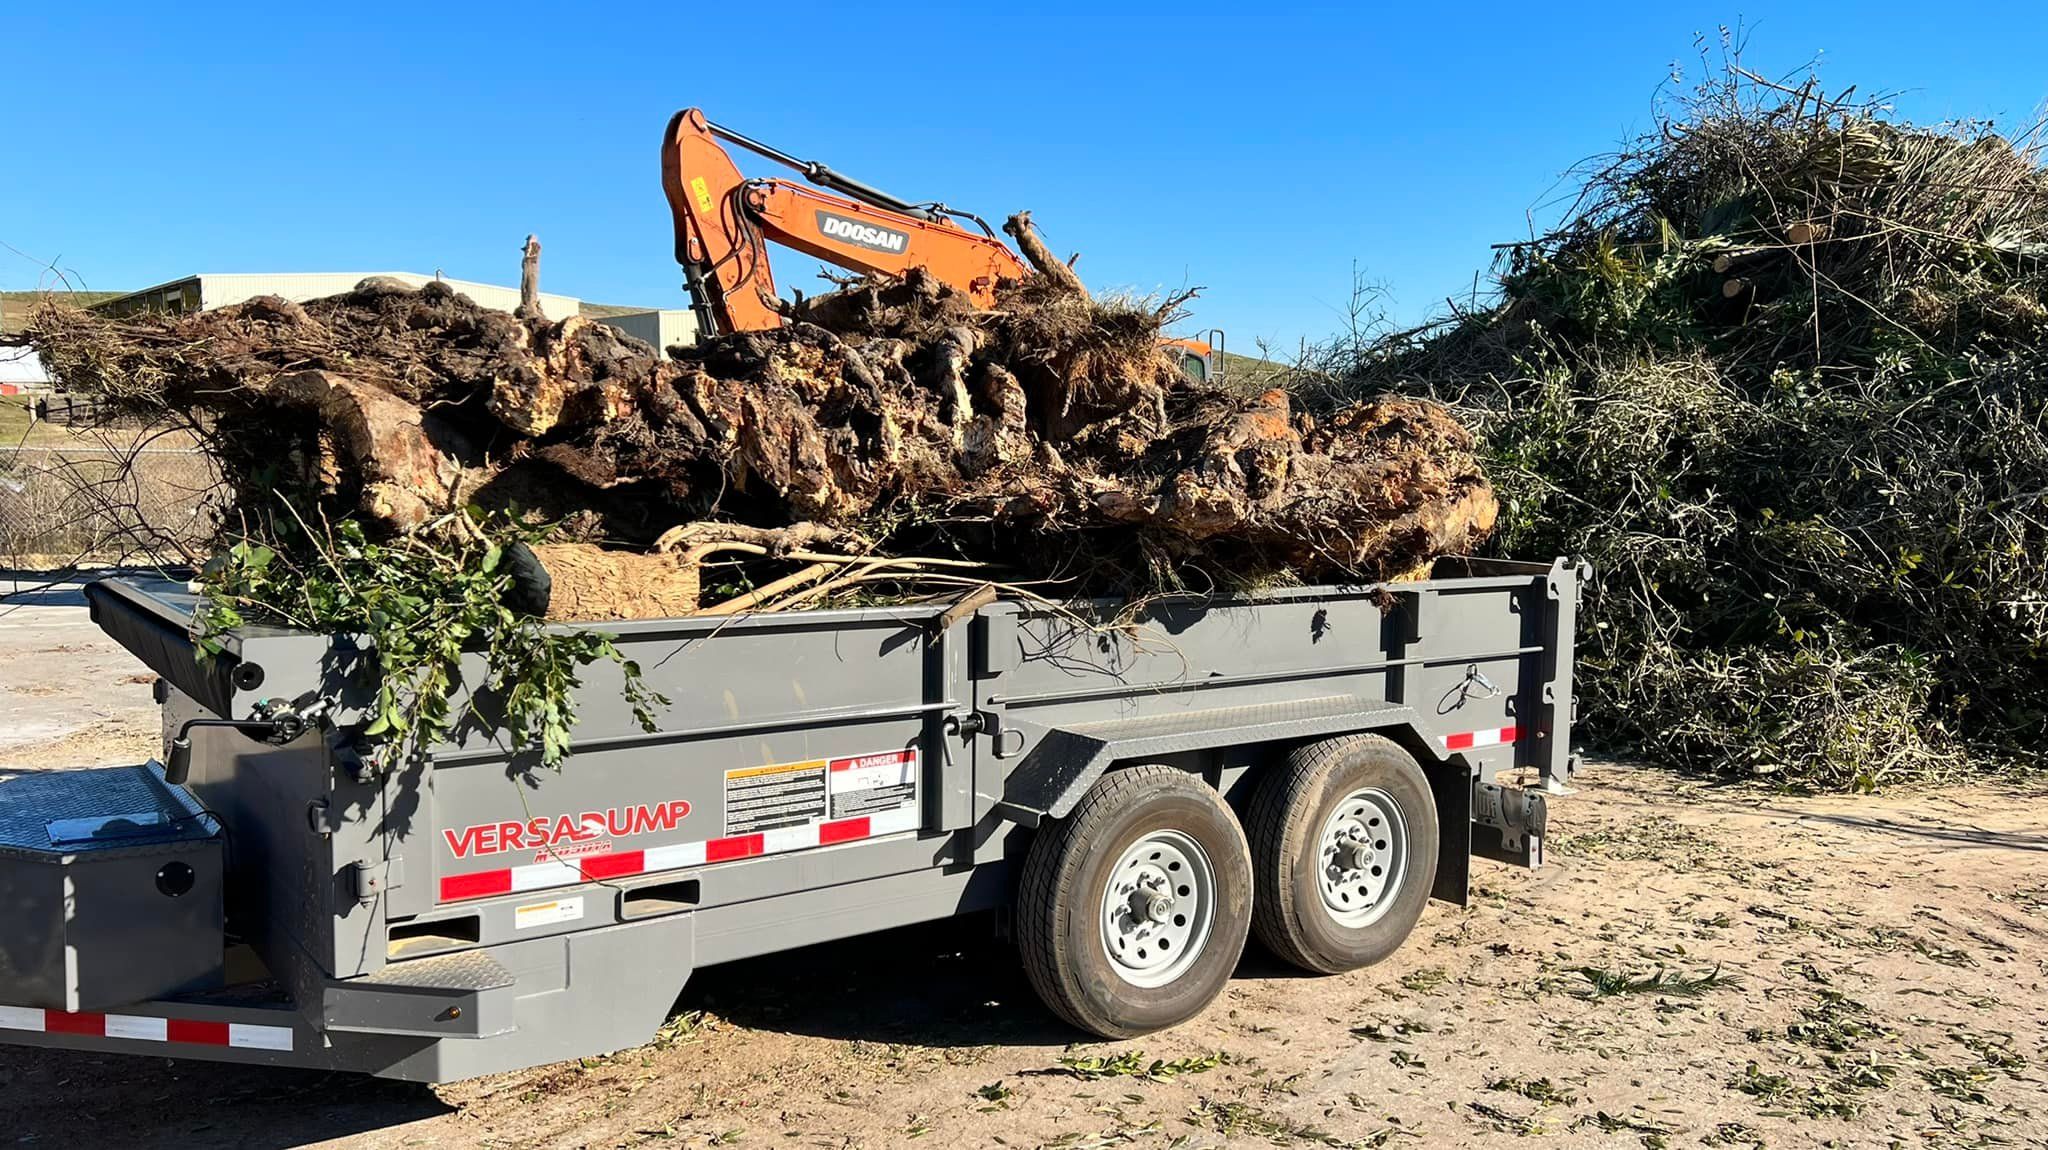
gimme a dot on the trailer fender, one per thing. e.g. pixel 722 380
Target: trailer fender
pixel 1060 763
pixel 1451 785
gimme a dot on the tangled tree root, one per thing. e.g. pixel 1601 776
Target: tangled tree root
pixel 890 417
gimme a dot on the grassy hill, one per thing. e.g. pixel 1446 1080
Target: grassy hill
pixel 15 305
pixel 607 310
pixel 1250 373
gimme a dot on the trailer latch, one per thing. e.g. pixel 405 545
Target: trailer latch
pixel 1008 740
pixel 276 722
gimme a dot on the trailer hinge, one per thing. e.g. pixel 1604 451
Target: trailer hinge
pixel 356 760
pixel 321 818
pixel 370 879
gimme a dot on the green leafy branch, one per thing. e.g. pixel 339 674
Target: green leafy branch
pixel 422 603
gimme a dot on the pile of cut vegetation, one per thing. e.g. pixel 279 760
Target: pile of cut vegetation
pixel 1053 435
pixel 404 462
pixel 1783 377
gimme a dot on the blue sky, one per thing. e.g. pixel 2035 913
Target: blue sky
pixel 1264 151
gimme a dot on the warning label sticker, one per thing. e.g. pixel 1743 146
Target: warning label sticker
pixel 878 789
pixel 768 798
pixel 552 913
pixel 873 783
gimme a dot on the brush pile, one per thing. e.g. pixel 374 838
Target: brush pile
pixel 888 430
pixel 1783 377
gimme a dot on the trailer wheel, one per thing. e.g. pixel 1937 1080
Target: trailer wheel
pixel 1344 847
pixel 1133 910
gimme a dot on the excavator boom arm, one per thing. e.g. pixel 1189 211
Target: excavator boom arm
pixel 724 257
pixel 724 222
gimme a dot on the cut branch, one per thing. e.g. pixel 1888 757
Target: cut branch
pixel 1049 265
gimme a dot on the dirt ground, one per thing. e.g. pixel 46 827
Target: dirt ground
pixel 69 696
pixel 1697 965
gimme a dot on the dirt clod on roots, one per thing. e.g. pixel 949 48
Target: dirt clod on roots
pixel 1054 435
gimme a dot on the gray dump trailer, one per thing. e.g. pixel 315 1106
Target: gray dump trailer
pixel 1136 795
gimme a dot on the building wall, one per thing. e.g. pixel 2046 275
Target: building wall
pixel 174 298
pixel 666 328
pixel 22 369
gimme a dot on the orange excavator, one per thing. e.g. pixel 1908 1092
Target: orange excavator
pixel 724 222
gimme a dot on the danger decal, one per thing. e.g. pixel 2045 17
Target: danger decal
pixel 871 783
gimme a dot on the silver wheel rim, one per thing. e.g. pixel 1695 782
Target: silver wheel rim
pixel 1157 908
pixel 1363 855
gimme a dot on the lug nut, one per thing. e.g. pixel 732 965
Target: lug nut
pixel 1356 855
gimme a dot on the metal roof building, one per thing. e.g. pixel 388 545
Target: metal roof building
pixel 212 290
pixel 21 369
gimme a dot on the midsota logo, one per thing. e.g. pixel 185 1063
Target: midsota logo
pixel 557 832
pixel 863 235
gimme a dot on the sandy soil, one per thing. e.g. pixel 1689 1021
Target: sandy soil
pixel 69 696
pixel 1697 966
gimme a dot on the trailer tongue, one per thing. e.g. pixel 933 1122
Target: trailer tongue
pixel 1312 765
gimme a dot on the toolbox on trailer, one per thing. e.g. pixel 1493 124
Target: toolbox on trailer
pixel 1309 764
pixel 112 882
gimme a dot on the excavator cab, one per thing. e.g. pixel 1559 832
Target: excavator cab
pixel 1201 360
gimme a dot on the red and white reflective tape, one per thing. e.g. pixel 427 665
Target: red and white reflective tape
pixel 143 1028
pixel 676 856
pixel 1467 740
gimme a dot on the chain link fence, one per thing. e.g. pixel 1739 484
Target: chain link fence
pixel 73 503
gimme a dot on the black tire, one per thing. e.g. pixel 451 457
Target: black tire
pixel 1288 813
pixel 1062 909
